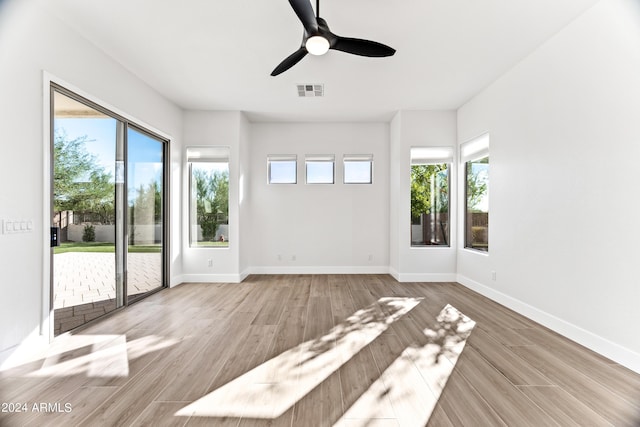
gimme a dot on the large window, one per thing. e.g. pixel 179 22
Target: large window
pixel 430 170
pixel 475 155
pixel 209 189
pixel 320 169
pixel 358 168
pixel 282 169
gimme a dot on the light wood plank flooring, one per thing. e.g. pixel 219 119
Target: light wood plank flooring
pixel 318 350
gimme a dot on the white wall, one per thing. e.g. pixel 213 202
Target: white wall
pixel 222 128
pixel 565 128
pixel 328 228
pixel 244 197
pixel 419 129
pixel 32 41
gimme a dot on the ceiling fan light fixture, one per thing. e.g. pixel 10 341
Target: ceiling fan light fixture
pixel 317 45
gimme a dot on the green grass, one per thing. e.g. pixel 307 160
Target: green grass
pixel 101 247
pixel 211 244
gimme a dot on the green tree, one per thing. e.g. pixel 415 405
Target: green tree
pixel 79 182
pixel 212 200
pixel 148 203
pixel 477 183
pixel 421 188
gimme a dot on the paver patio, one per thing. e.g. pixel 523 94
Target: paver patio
pixel 84 284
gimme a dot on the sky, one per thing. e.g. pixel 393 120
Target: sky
pixel 319 172
pixel 144 154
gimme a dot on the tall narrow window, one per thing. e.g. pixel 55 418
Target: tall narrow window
pixel 320 169
pixel 282 169
pixel 358 168
pixel 430 169
pixel 209 189
pixel 475 155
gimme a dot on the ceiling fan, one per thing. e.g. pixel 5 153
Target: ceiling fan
pixel 317 39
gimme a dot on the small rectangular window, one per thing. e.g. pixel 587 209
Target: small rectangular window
pixel 282 169
pixel 430 171
pixel 209 201
pixel 475 155
pixel 320 169
pixel 358 169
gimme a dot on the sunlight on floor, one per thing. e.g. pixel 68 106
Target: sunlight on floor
pixel 412 385
pixel 270 389
pixel 104 356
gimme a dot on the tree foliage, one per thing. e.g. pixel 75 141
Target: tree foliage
pixel 147 206
pixel 477 183
pixel 79 182
pixel 422 199
pixel 212 200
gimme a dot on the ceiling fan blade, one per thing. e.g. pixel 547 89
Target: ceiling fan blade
pixel 362 47
pixel 305 13
pixel 290 61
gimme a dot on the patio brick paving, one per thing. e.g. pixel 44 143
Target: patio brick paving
pixel 84 284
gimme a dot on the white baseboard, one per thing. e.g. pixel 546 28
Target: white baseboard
pixel 425 277
pixel 611 350
pixel 321 270
pixel 175 281
pixel 246 273
pixel 236 278
pixel 211 278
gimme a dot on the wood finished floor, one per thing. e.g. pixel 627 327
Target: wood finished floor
pixel 143 365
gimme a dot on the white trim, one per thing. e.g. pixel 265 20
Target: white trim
pixel 46 316
pixel 421 155
pixel 175 281
pixel 426 277
pixel 207 153
pixel 394 273
pixel 474 251
pixel 609 349
pixel 357 158
pixel 475 148
pixel 211 278
pixel 321 270
pixel 246 273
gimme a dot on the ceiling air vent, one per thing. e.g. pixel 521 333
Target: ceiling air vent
pixel 310 91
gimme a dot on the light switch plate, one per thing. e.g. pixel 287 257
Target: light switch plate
pixel 9 226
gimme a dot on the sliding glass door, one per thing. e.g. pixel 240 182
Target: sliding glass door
pixel 108 210
pixel 145 183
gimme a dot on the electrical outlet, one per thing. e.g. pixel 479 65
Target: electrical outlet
pixel 493 276
pixel 279 257
pixel 370 257
pixel 210 262
pixel 293 257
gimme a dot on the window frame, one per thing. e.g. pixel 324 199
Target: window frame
pixel 357 158
pixel 433 155
pixel 472 151
pixel 320 158
pixel 210 154
pixel 275 158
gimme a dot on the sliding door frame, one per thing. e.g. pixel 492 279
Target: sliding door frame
pixel 50 86
pixel 164 214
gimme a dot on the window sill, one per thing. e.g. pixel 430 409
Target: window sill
pixel 475 251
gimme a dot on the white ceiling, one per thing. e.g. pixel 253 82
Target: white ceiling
pixel 218 55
